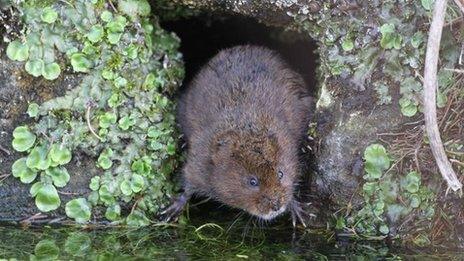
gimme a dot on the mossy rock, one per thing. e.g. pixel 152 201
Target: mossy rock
pixel 100 139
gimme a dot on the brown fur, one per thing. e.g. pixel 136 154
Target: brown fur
pixel 244 116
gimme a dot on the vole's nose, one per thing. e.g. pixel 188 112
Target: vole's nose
pixel 275 205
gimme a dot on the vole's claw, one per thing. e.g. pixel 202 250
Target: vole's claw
pixel 297 213
pixel 172 212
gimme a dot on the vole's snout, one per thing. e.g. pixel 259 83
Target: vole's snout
pixel 274 203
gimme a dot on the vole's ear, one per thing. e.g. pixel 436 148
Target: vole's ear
pixel 222 145
pixel 224 140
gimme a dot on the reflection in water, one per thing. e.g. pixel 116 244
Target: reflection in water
pixel 202 241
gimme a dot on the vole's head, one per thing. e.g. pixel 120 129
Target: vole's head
pixel 253 172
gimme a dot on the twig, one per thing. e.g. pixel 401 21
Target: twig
pixel 7 152
pixel 3 177
pixel 454 70
pixel 430 86
pixel 460 4
pixel 112 6
pixel 69 193
pixel 87 116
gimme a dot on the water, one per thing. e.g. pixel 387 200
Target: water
pixel 220 236
pixel 209 241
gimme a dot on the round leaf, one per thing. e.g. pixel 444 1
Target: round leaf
pixel 79 209
pixel 38 158
pixel 126 188
pixel 23 139
pixel 60 176
pixel 34 67
pixel 51 71
pixel 113 212
pixel 49 15
pixel 47 198
pixel 46 250
pixel 60 155
pixel 77 244
pixel 35 188
pixel 20 170
pixel 377 160
pixel 95 34
pixel 95 183
pixel 80 63
pixel 33 109
pixel 137 183
pixel 17 51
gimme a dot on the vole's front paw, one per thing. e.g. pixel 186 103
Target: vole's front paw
pixel 298 212
pixel 172 212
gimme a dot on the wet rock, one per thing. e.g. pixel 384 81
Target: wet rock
pixel 17 90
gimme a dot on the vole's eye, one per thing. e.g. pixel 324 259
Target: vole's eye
pixel 280 174
pixel 254 182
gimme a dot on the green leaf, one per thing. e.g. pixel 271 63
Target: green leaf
pixel 46 250
pixel 369 188
pixel 104 162
pixel 387 28
pixel 35 188
pixel 38 158
pixel 51 71
pixel 347 44
pixel 95 34
pixel 79 209
pixel 77 244
pixel 95 183
pixel 412 182
pixel 415 201
pixel 113 212
pixel 137 183
pixel 106 195
pixel 80 63
pixel 34 67
pixel 107 119
pixel 49 15
pixel 384 229
pixel 427 4
pixel 126 188
pixel 106 16
pixel 60 154
pixel 126 122
pixel 120 82
pixel 20 170
pixel 60 176
pixel 113 38
pixel 17 51
pixel 47 198
pixel 417 39
pixel 149 82
pixel 23 139
pixel 408 107
pixel 441 99
pixel 137 219
pixel 134 8
pixel 33 109
pixel 377 160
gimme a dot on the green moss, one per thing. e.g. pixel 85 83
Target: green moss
pixel 129 68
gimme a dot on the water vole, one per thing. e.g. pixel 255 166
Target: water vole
pixel 244 116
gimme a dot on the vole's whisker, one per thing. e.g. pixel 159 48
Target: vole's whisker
pixel 237 217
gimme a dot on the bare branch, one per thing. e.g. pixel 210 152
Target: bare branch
pixel 430 87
